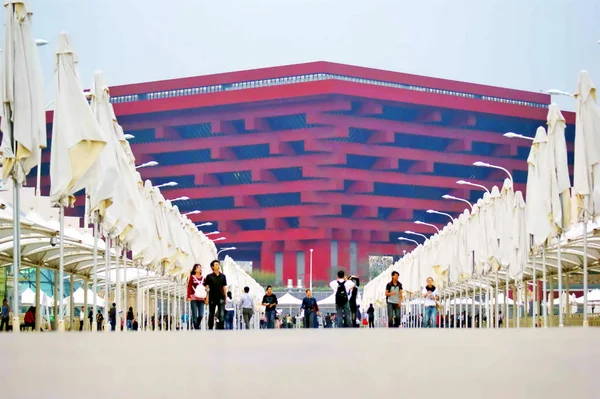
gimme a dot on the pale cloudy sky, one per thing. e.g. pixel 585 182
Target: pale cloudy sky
pixel 524 44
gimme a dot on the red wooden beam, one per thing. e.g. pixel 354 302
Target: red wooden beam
pixel 244 201
pixel 365 212
pixel 262 175
pixel 382 137
pixel 381 201
pixel 277 224
pixel 370 224
pixel 206 179
pixel 361 187
pixel 370 108
pixel 166 132
pixel 421 167
pixel 291 106
pixel 429 116
pixel 277 235
pixel 274 212
pixel 401 214
pixel 280 148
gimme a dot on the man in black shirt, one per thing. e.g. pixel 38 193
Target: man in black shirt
pixel 270 303
pixel 216 288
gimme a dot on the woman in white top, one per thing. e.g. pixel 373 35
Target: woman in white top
pixel 196 294
pixel 430 293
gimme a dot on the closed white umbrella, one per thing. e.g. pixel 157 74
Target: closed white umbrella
pixel 23 122
pixel 586 179
pixel 538 190
pixel 560 183
pixel 77 141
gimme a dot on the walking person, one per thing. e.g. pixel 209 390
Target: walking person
pixel 91 317
pixel 216 285
pixel 112 317
pixel 130 318
pixel 247 303
pixel 5 314
pixel 270 303
pixel 430 293
pixel 371 315
pixel 354 300
pixel 311 310
pixel 196 295
pixel 393 293
pixel 81 318
pixel 342 287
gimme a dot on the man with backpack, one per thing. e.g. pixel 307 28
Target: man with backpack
pixel 342 288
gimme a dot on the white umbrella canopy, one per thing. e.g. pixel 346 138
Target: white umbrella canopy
pixel 586 179
pixel 22 95
pixel 538 190
pixel 79 298
pixel 559 169
pixel 593 298
pixel 330 300
pixel 77 139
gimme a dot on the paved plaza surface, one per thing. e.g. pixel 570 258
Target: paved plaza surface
pixel 378 363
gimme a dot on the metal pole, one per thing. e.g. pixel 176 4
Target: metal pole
pixel 38 299
pixel 544 292
pixel 95 272
pixel 107 256
pixel 117 290
pixel 138 299
pixel 496 304
pixel 506 299
pixel 561 315
pixel 61 267
pixel 311 267
pixel 480 303
pixel 534 302
pixel 585 274
pixel 16 253
pixel 156 302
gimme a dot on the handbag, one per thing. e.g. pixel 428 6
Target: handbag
pixel 199 290
pixel 438 306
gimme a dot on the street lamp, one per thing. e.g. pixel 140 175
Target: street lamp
pixel 128 136
pixel 488 165
pixel 416 234
pixel 440 213
pixel 427 224
pixel 204 224
pixel 184 198
pixel 196 212
pixel 225 249
pixel 169 184
pixel 310 283
pixel 408 239
pixel 512 135
pixel 468 183
pixel 219 239
pixel 41 42
pixel 452 197
pixel 212 233
pixel 556 92
pixel 147 164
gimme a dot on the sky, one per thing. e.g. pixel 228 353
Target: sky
pixel 523 44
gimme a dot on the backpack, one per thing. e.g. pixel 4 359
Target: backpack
pixel 200 289
pixel 341 295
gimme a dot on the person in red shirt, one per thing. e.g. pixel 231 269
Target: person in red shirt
pixel 196 295
pixel 30 318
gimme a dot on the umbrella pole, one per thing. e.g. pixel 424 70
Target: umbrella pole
pixel 480 302
pixel 95 273
pixel 544 291
pixel 61 267
pixel 16 254
pixel 496 304
pixel 585 275
pixel 117 290
pixel 561 320
pixel 506 299
pixel 534 290
pixel 155 302
pixel 107 256
pixel 138 298
pixel 473 308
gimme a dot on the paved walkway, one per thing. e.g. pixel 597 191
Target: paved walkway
pixel 304 364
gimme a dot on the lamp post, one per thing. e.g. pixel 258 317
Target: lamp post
pixel 219 239
pixel 441 213
pixel 128 136
pixel 310 282
pixel 512 135
pixel 556 92
pixel 225 249
pixel 452 197
pixel 416 234
pixel 147 164
pixel 468 183
pixel 427 224
pixel 204 224
pixel 212 233
pixel 196 212
pixel 408 239
pixel 184 198
pixel 488 165
pixel 169 184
